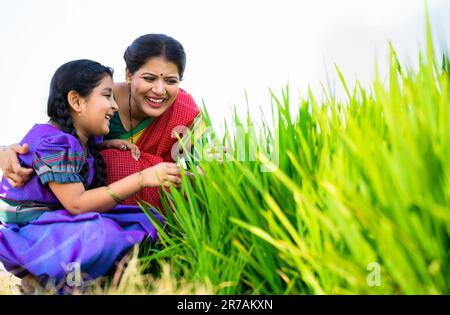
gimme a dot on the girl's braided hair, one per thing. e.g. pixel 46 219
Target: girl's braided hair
pixel 82 76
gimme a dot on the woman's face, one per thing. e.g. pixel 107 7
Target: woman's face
pixel 154 87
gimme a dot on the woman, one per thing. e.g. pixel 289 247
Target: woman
pixel 152 112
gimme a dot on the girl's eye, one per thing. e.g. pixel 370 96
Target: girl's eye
pixel 172 81
pixel 149 79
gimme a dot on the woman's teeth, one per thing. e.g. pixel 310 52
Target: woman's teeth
pixel 154 100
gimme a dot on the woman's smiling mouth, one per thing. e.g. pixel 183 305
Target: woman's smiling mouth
pixel 154 102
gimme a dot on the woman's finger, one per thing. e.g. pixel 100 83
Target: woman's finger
pixel 174 170
pixel 135 152
pixel 13 173
pixel 20 149
pixel 13 180
pixel 22 172
pixel 171 165
pixel 172 180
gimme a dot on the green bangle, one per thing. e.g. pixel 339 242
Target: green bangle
pixel 113 195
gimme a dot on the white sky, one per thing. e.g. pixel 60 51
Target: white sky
pixel 231 45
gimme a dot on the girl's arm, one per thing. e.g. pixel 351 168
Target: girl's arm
pixel 77 200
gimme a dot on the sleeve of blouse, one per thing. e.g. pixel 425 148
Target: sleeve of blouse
pixel 59 158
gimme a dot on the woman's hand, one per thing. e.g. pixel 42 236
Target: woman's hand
pixel 15 174
pixel 123 145
pixel 162 173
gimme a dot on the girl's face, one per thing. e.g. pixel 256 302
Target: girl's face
pixel 96 110
pixel 154 87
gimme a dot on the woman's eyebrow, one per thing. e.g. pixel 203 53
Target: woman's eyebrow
pixel 107 90
pixel 168 76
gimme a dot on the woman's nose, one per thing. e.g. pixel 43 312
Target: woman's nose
pixel 158 88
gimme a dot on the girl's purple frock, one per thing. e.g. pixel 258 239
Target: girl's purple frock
pixel 38 236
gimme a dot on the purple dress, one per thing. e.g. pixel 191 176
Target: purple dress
pixel 38 236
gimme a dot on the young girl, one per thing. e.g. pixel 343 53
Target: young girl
pixel 64 218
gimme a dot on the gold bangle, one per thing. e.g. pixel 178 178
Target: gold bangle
pixel 141 181
pixel 113 195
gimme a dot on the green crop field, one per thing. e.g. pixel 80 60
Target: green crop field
pixel 345 197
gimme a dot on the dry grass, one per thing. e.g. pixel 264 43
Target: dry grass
pixel 9 284
pixel 130 280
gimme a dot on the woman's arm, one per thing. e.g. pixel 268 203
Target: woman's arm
pixel 15 174
pixel 77 200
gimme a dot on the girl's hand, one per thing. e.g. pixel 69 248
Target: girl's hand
pixel 123 145
pixel 162 173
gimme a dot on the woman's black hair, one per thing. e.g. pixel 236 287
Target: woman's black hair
pixel 81 76
pixel 154 45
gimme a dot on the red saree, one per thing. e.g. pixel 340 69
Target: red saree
pixel 155 144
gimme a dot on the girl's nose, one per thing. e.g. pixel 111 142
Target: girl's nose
pixel 114 105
